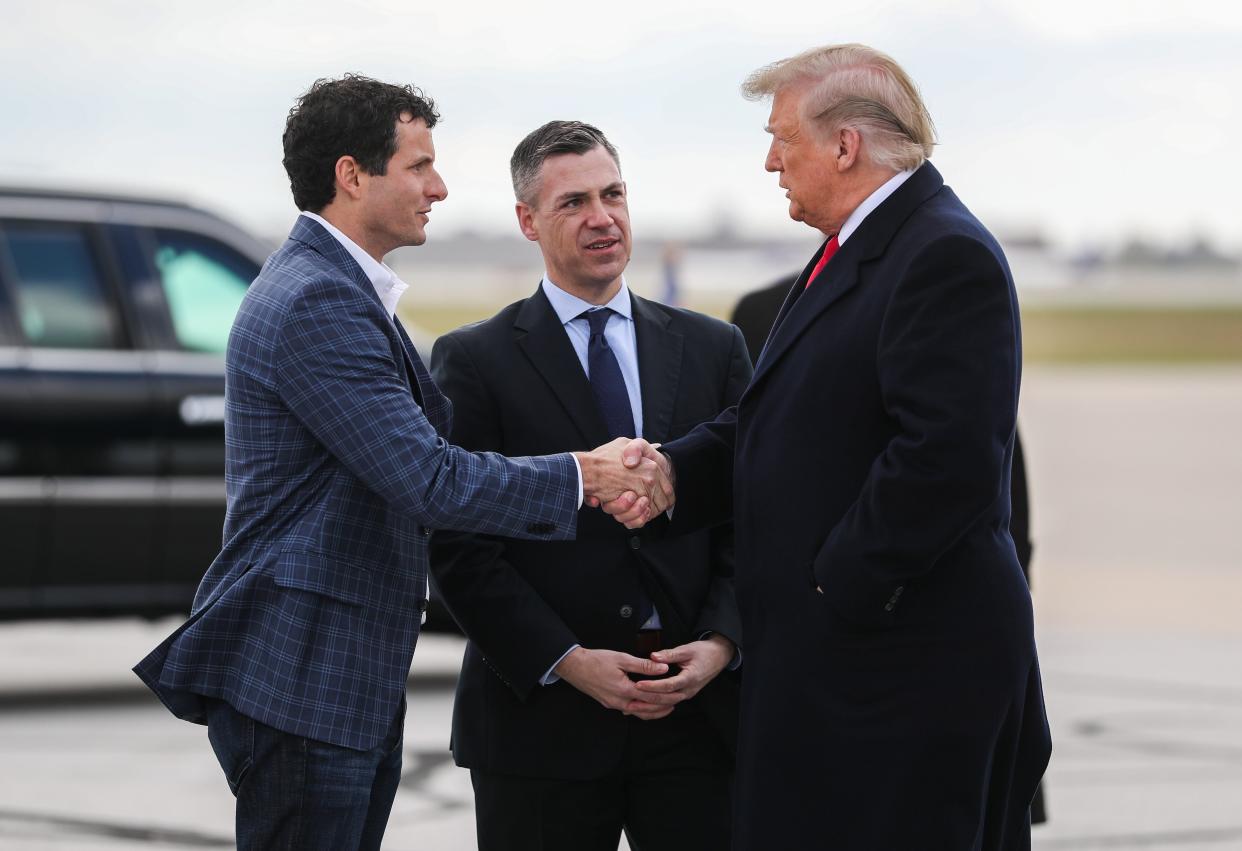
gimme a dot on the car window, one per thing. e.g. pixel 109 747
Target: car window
pixel 61 298
pixel 204 282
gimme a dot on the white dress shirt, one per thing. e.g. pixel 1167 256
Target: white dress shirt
pixel 387 285
pixel 869 204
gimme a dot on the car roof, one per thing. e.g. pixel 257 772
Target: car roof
pixel 87 195
pixel 65 204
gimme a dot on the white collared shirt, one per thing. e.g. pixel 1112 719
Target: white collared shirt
pixel 869 204
pixel 387 285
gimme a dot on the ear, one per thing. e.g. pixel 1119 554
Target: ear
pixel 848 143
pixel 526 220
pixel 348 177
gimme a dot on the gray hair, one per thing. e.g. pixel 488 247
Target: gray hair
pixel 852 85
pixel 553 138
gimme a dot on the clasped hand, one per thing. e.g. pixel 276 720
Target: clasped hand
pixel 605 675
pixel 629 478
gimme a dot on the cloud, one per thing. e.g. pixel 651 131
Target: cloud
pixel 1091 118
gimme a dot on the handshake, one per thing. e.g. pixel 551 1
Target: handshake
pixel 629 478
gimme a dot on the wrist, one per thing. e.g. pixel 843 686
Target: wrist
pixel 724 647
pixel 572 661
pixel 669 470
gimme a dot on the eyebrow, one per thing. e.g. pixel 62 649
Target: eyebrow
pixel 579 193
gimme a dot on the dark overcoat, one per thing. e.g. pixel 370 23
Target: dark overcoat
pixel 900 709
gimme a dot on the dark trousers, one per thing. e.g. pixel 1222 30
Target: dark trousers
pixel 298 793
pixel 671 792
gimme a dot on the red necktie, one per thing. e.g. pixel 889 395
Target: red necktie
pixel 829 250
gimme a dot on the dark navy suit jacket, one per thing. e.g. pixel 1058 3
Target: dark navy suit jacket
pixel 519 387
pixel 337 470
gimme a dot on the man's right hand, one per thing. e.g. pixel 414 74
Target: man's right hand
pixel 604 675
pixel 623 470
pixel 631 509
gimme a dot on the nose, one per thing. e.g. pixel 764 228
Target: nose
pixel 598 216
pixel 773 161
pixel 436 190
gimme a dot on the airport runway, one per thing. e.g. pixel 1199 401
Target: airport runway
pixel 1138 580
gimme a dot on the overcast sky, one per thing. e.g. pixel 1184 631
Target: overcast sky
pixel 1087 120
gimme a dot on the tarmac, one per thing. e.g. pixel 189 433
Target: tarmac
pixel 1147 727
pixel 1137 588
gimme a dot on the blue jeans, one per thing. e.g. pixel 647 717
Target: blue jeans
pixel 298 793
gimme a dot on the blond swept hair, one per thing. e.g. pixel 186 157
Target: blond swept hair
pixel 852 85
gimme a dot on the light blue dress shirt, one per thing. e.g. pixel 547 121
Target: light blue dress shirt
pixel 619 333
pixel 624 344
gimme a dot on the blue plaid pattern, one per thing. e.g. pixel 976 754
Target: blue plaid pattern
pixel 307 619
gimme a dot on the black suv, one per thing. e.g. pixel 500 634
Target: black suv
pixel 114 313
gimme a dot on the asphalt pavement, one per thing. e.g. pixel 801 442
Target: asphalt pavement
pixel 1138 583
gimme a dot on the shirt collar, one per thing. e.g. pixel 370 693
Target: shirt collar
pixel 387 285
pixel 569 307
pixel 872 201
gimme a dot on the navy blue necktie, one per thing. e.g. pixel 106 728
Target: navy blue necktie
pixel 613 401
pixel 606 380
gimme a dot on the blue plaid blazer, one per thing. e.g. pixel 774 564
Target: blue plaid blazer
pixel 336 472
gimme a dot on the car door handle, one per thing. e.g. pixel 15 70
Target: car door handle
pixel 201 410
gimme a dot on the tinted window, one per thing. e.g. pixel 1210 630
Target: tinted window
pixel 204 282
pixel 61 298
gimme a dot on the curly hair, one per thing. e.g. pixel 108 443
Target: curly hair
pixel 353 116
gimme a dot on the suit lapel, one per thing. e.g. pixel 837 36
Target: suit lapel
pixel 659 365
pixel 540 336
pixel 434 404
pixel 796 290
pixel 314 236
pixel 803 306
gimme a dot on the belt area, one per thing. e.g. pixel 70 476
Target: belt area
pixel 646 642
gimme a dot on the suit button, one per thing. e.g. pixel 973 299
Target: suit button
pixel 635 543
pixel 888 607
pixel 899 589
pixel 627 611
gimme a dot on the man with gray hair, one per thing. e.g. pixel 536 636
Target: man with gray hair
pixel 892 699
pixel 563 750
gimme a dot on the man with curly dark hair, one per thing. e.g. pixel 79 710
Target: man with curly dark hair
pixel 298 648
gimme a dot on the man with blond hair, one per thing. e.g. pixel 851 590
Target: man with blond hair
pixel 892 699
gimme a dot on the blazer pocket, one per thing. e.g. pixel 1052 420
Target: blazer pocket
pixel 318 573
